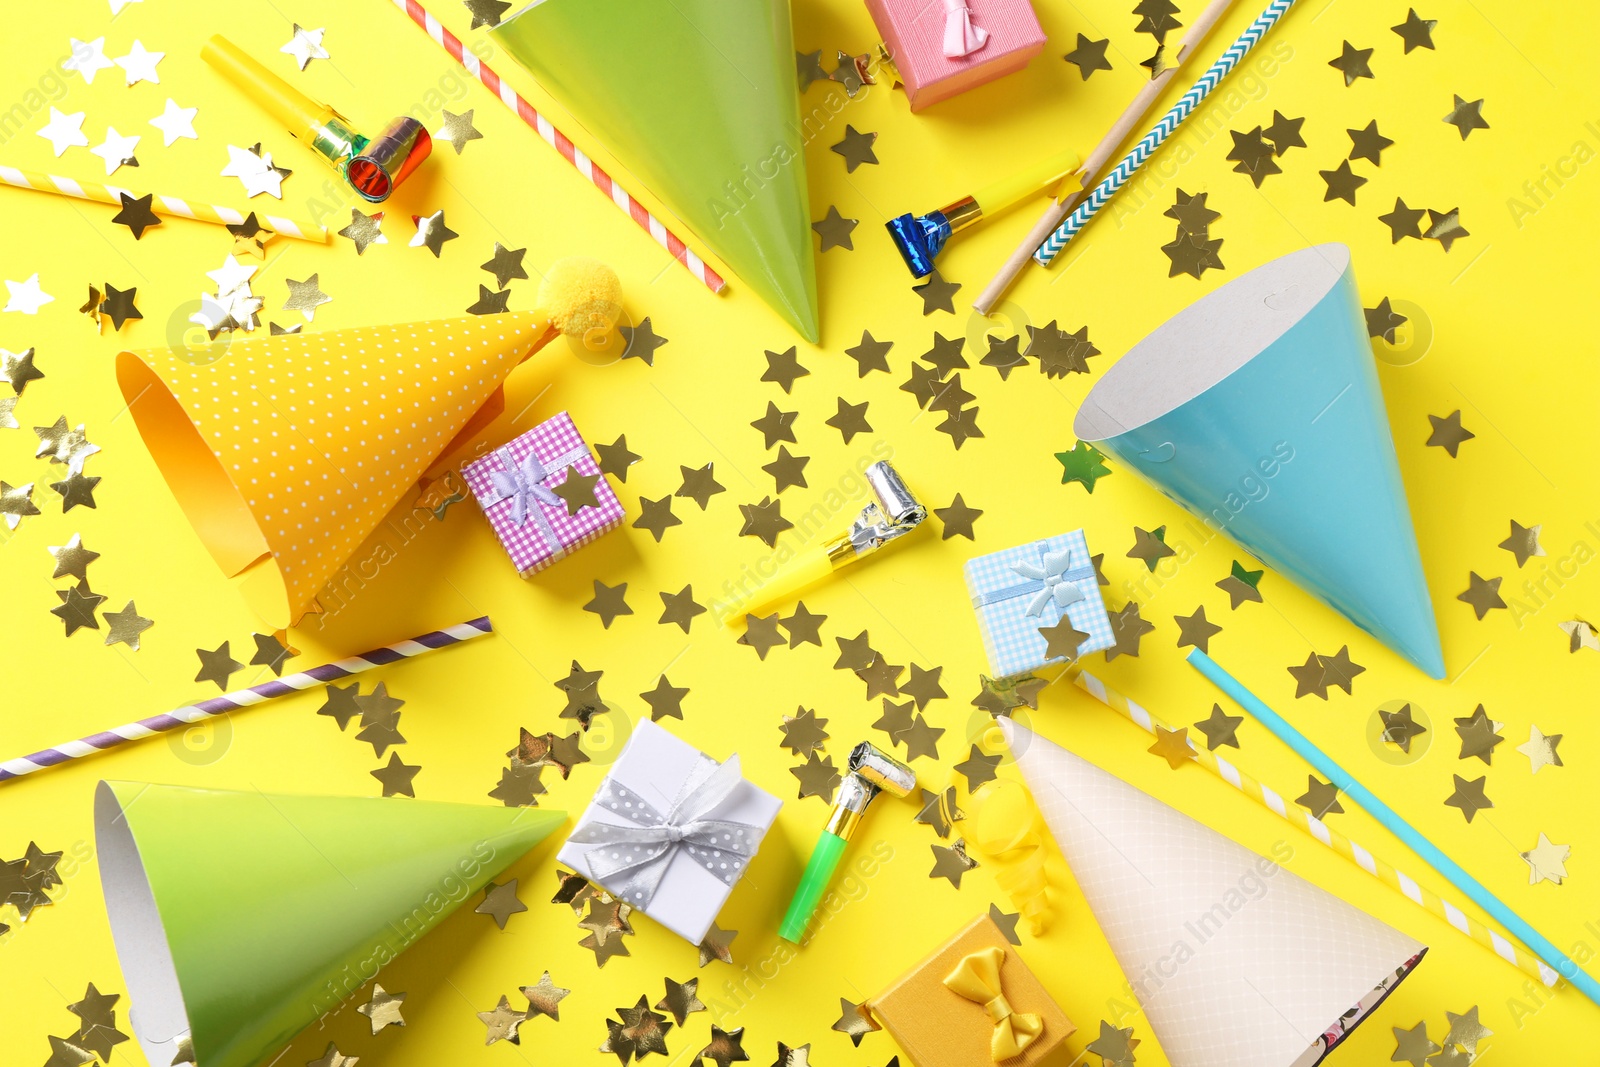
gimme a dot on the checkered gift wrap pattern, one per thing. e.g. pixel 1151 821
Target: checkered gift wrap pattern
pixel 557 444
pixel 1010 634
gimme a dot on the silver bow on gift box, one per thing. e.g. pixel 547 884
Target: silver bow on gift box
pixel 636 861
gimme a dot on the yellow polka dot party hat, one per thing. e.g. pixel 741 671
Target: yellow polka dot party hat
pixel 286 452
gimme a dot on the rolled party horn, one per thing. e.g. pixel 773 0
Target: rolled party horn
pixel 1391 820
pixel 870 772
pixel 372 166
pixel 240 699
pixel 893 513
pixel 920 238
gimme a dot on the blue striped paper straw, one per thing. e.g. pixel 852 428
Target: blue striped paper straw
pixel 1431 854
pixel 1160 132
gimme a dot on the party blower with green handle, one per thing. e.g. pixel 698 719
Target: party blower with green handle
pixel 240 918
pixel 869 773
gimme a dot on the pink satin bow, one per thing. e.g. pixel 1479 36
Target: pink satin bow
pixel 961 37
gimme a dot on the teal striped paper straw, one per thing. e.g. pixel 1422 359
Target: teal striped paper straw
pixel 1431 854
pixel 1160 132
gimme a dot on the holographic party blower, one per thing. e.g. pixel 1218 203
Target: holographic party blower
pixel 870 772
pixel 372 166
pixel 920 238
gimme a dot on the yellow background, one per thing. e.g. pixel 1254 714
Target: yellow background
pixel 1501 328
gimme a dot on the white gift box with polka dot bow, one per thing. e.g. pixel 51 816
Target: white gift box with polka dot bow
pixel 683 829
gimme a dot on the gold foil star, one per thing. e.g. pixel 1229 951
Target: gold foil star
pixel 804 626
pixel 501 1023
pixel 656 516
pixel 72 559
pixel 764 520
pixel 835 230
pixel 1412 1046
pixel 850 419
pixel 1399 728
pixel 699 485
pixel 726 1046
pixel 818 778
pixel 1469 797
pixel 486 12
pixel 506 264
pixel 545 998
pixel 1482 593
pixel 126 626
pixel 75 489
pixel 383 1009
pixel 577 490
pixel 978 768
pixel 77 608
pixel 432 232
pixel 396 776
pixel 500 902
pixel 1403 221
pixel 1479 735
pixel 605 950
pixel 1445 227
pixel 1089 56
pixel 118 305
pixel 1220 728
pixel 881 676
pixel 645 1030
pixel 803 732
pixel 665 699
pixel 951 863
pixel 1320 798
pixel 939 811
pixel 680 608
pixel 217 666
pixel 783 368
pixel 1523 542
pixel 1128 629
pixel 922 739
pixel 1540 748
pixel 18 370
pixel 854 1022
pixel 305 297
pixel 937 293
pixel 856 148
pixel 1546 862
pixel 272 653
pixel 1113 1045
pixel 1466 117
pixel 1580 635
pixel 16 503
pixel 457 129
pixel 1196 629
pixel 1062 639
pixel 364 230
pixel 641 342
pixel 716 946
pixel 1466 1030
pixel 608 602
pixel 1448 433
pixel 854 652
pixel 1353 63
pixel 1416 32
pixel 761 633
pixel 896 720
pixel 136 214
pixel 1310 678
pixel 1172 746
pixel 607 919
pixel 519 785
pixel 250 237
pixel 1150 546
pixel 681 999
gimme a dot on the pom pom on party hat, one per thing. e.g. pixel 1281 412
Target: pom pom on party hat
pixel 240 918
pixel 1236 961
pixel 1258 408
pixel 287 452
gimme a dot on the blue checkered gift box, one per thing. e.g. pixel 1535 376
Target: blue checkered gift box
pixel 1021 589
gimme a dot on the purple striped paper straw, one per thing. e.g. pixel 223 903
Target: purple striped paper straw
pixel 240 699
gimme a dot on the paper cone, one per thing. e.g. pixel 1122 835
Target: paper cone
pixel 288 451
pixel 696 97
pixel 239 918
pixel 1257 407
pixel 1236 961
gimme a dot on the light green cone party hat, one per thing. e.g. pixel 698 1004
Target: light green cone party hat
pixel 698 98
pixel 240 918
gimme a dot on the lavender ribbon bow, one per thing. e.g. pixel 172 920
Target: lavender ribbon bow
pixel 1051 580
pixel 635 857
pixel 961 36
pixel 523 485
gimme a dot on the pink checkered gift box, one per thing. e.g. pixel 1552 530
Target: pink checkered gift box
pixel 945 47
pixel 515 485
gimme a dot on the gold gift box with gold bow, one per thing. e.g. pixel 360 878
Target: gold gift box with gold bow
pixel 972 1003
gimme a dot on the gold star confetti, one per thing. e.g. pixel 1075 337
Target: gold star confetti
pixel 787 470
pixel 716 946
pixel 1383 320
pixel 75 489
pixel 396 777
pixel 1060 353
pixel 1006 922
pixel 854 1022
pixel 505 265
pixel 77 608
pixel 457 129
pixel 272 653
pixel 681 999
pixel 1466 117
pixel 783 368
pixel 1156 18
pixel 1062 639
pixel 1284 133
pixel 605 950
pixel 8 418
pixel 432 232
pixel 1367 143
pixel 1399 728
pixel 1580 635
pixel 490 302
pixel 999 696
pixel 16 503
pixel 1448 433
pixel 726 1046
pixel 125 626
pixel 804 626
pixel 855 652
pixel 1150 546
pixel 818 778
pixel 939 810
pixel 1482 593
pixel 1547 861
pixel 664 700
pixel 500 902
pixel 1172 746
pixel 1089 56
pixel 608 602
pixel 761 633
pixel 1220 728
pixel 834 230
pixel 118 305
pixel 870 355
pixel 1196 629
pixel 644 1029
pixel 381 735
pixel 544 998
pixel 577 490
pixel 978 768
pixel 1127 629
pixel 776 425
pixel 1320 798
pixel 1241 585
pixel 1416 32
pixel 1353 63
pixel 699 486
pixel 18 370
pixel 1445 227
pixel 1342 183
pixel 501 1023
pixel 305 45
pixel 519 785
pixel 217 666
pixel 136 214
pixel 641 342
pixel 250 237
pixel 486 12
pixel 305 297
pixel 851 72
pixel 1339 670
pixel 1084 464
pixel 1413 1046
pixel 764 520
pixel 1479 735
pixel 850 419
pixel 923 686
pixel 881 676
pixel 1523 542
pixel 952 862
pixel 1403 221
pixel 856 148
pixel 937 294
pixel 1466 1030
pixel 1114 1046
pixel 64 1053
pixel 803 733
pixel 808 68
pixel 364 230
pixel 1469 796
pixel 1540 748
pixel 679 608
pixel 1192 254
pixel 960 425
pixel 72 559
pixel 896 720
pixel 1004 355
pixel 607 920
pixel 1310 677
pixel 656 516
pixel 383 1009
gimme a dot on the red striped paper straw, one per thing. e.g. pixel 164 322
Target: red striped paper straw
pixel 240 699
pixel 561 143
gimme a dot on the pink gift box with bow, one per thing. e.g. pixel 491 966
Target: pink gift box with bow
pixel 945 47
pixel 515 485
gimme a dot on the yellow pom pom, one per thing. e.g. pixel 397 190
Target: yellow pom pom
pixel 581 295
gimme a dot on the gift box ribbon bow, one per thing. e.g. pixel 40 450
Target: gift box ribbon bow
pixel 1050 580
pixel 961 36
pixel 523 484
pixel 637 856
pixel 977 978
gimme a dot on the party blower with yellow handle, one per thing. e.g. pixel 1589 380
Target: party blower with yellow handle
pixel 920 238
pixel 372 166
pixel 893 513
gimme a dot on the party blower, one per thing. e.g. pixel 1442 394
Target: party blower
pixel 870 772
pixel 920 238
pixel 372 166
pixel 894 512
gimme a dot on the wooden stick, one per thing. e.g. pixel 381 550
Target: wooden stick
pixel 1131 116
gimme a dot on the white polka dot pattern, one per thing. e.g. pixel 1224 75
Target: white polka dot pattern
pixel 323 433
pixel 524 542
pixel 1236 961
